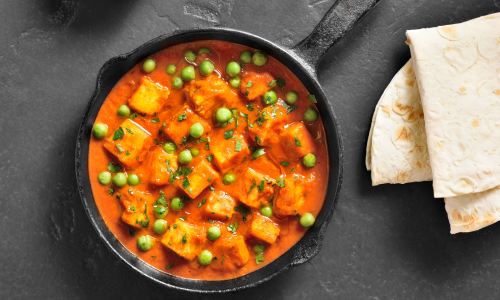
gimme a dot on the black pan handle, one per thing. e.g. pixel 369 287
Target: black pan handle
pixel 338 21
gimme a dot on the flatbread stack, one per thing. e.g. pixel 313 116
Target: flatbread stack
pixel 439 119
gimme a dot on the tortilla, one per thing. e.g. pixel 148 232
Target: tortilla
pixel 457 71
pixel 397 144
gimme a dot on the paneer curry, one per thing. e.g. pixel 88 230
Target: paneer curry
pixel 208 160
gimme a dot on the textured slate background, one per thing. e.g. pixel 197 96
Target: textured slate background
pixel 386 242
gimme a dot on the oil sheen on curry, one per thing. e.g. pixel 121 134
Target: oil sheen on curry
pixel 208 160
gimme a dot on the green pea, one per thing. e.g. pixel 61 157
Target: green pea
pixel 233 68
pixel 291 97
pixel 123 111
pixel 120 179
pixel 266 211
pixel 177 83
pixel 100 131
pixel 159 226
pixel 145 242
pixel 160 212
pixel 205 257
pixel 223 115
pixel 185 157
pixel 309 160
pixel 307 220
pixel 259 248
pixel 259 58
pixel 190 55
pixel 196 130
pixel 149 65
pixel 207 67
pixel 223 124
pixel 171 69
pixel 311 115
pixel 213 233
pixel 228 178
pixel 177 203
pixel 270 97
pixel 194 152
pixel 169 147
pixel 104 177
pixel 133 180
pixel 204 50
pixel 187 73
pixel 235 82
pixel 246 56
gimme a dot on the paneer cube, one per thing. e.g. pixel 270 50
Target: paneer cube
pixel 234 250
pixel 254 189
pixel 290 198
pixel 260 84
pixel 219 206
pixel 178 125
pixel 134 212
pixel 263 130
pixel 296 141
pixel 194 183
pixel 129 143
pixel 208 94
pixel 149 97
pixel 264 229
pixel 229 152
pixel 185 239
pixel 162 165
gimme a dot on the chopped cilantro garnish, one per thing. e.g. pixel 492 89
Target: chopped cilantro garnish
pixel 259 259
pixel 244 211
pixel 131 231
pixel 312 98
pixel 119 147
pixel 258 141
pixel 209 179
pixel 132 208
pixel 280 182
pixel 185 182
pixel 229 134
pixel 210 221
pixel 249 84
pixel 210 157
pixel 297 142
pixel 184 239
pixel 285 164
pixel 114 168
pixel 118 135
pixel 254 184
pixel 246 93
pixel 261 186
pixel 133 116
pixel 272 82
pixel 207 146
pixel 127 152
pixel 202 202
pixel 183 218
pixel 181 118
pixel 111 191
pixel 250 107
pixel 129 131
pixel 161 200
pixel 169 266
pixel 237 148
pixel 232 228
pixel 258 152
pixel 212 188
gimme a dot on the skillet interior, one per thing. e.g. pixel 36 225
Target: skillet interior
pixel 301 252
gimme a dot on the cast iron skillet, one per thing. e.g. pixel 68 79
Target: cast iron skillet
pixel 302 60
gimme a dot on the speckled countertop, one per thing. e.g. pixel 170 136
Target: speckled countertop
pixel 385 242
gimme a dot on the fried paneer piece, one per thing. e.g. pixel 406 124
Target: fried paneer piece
pixel 229 152
pixel 185 239
pixel 262 131
pixel 296 141
pixel 208 94
pixel 134 209
pixel 254 189
pixel 234 250
pixel 264 229
pixel 132 145
pixel 194 183
pixel 149 97
pixel 290 198
pixel 219 206
pixel 260 84
pixel 162 165
pixel 178 125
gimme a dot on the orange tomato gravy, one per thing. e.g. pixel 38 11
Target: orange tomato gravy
pixel 159 256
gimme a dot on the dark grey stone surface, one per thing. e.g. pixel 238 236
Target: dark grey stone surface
pixel 386 242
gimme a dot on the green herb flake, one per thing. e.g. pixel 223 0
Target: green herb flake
pixel 272 83
pixel 111 191
pixel 281 83
pixel 202 202
pixel 154 256
pixel 127 152
pixel 259 259
pixel 164 124
pixel 243 210
pixel 175 226
pixel 297 142
pixel 129 131
pixel 258 141
pixel 181 118
pixel 118 135
pixel 280 182
pixel 250 107
pixel 119 147
pixel 210 157
pixel 232 228
pixel 254 184
pixel 285 164
pixel 184 239
pixel 155 120
pixel 207 146
pixel 132 209
pixel 169 266
pixel 258 152
pixel 133 116
pixel 249 84
pixel 246 93
pixel 212 189
pixel 131 231
pixel 209 179
pixel 229 134
pixel 210 221
pixel 237 148
pixel 312 98
pixel 114 168
pixel 261 186
pixel 183 218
